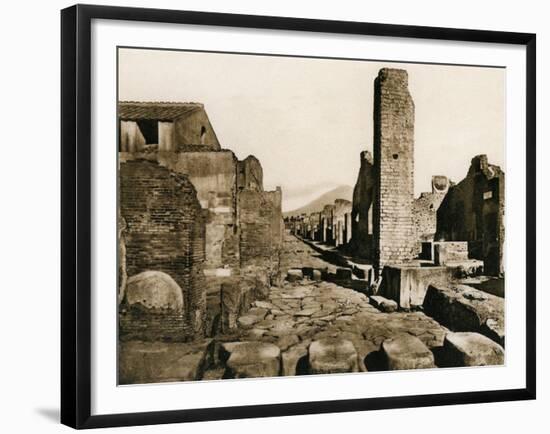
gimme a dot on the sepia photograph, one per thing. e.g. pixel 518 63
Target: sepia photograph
pixel 283 215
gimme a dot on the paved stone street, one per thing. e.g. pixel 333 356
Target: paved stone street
pixel 310 324
pixel 341 319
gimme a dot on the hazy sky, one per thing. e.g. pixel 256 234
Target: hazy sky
pixel 307 120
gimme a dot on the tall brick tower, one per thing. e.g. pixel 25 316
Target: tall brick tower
pixel 394 166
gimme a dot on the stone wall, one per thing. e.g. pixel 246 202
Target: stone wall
pixel 165 232
pixel 473 211
pixel 394 166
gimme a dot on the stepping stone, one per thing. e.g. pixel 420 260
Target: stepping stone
pixel 252 359
pixel 471 349
pixel 332 355
pixel 316 276
pixel 382 303
pixel 407 352
pixel 294 275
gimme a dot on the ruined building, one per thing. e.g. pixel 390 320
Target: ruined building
pixel 424 211
pixel 178 139
pixel 473 211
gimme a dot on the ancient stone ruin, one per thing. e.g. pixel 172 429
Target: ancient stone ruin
pixel 193 211
pixel 213 284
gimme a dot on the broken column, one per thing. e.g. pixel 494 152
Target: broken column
pixel 394 165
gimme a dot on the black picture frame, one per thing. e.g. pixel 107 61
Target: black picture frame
pixel 76 214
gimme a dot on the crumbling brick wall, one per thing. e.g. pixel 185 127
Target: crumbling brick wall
pixel 473 211
pixel 165 231
pixel 394 167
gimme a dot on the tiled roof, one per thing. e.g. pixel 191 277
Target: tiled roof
pixel 134 110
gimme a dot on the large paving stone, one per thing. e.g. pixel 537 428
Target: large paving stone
pixel 332 355
pixel 407 352
pixel 156 362
pixel 471 349
pixel 252 359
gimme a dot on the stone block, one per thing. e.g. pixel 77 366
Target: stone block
pixel 156 362
pixel 252 359
pixel 471 349
pixel 407 352
pixel 332 355
pixel 408 284
pixel 462 308
pixel 383 303
pixel 343 274
pixel 294 275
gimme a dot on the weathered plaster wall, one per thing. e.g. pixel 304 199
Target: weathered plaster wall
pixel 165 231
pixel 194 132
pixel 473 211
pixel 131 139
pixel 394 167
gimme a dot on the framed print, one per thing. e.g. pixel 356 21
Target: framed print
pixel 267 216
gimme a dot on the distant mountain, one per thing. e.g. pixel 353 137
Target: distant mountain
pixel 342 192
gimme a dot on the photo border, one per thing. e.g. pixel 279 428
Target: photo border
pixel 76 214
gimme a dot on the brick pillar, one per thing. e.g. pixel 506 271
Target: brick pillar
pixel 394 162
